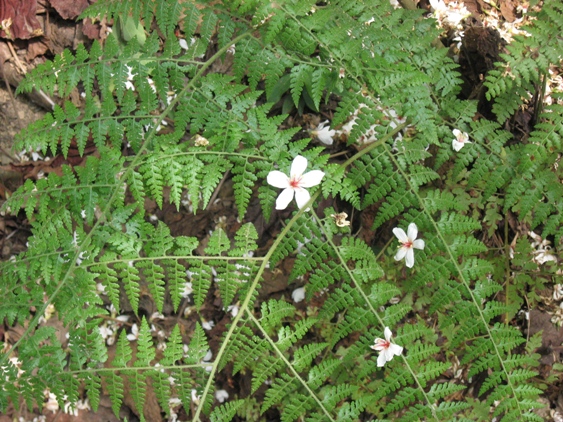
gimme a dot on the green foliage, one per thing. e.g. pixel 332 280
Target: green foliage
pixel 187 130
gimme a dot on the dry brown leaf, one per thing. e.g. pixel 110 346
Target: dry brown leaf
pixel 18 20
pixel 69 9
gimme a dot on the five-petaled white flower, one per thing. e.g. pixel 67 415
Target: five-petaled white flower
pixel 461 138
pixel 385 348
pixel 295 183
pixel 408 242
pixel 324 134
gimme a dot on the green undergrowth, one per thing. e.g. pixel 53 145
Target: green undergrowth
pixel 168 125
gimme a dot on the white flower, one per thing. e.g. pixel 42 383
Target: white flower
pixel 340 219
pixel 233 309
pixel 130 76
pixel 200 141
pixel 134 335
pixel 52 402
pixel 183 43
pixel 195 396
pixel 324 134
pixel 438 5
pixel 449 16
pixel 221 395
pixel 298 294
pixel 295 183
pixel 385 348
pixel 187 290
pixel 207 325
pixel 461 138
pixel 152 85
pixel 408 242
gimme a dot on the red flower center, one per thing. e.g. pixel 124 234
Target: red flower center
pixel 294 182
pixel 408 244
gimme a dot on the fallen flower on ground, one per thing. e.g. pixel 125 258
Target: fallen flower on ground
pixel 386 349
pixel 408 242
pixel 134 335
pixel 340 219
pixel 324 133
pixel 295 184
pixel 221 395
pixel 298 294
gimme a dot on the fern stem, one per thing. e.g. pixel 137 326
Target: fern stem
pixel 460 274
pixel 506 268
pixel 288 364
pixel 137 368
pixel 382 251
pixel 178 257
pixel 375 313
pixel 244 305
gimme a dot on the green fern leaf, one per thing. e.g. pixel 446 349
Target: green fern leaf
pixel 298 78
pixel 226 411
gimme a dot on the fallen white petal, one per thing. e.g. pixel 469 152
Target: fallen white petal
pixel 221 395
pixel 298 294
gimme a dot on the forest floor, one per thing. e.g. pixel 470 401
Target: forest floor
pixel 485 31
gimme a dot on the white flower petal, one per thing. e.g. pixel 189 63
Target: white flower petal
pixel 326 137
pixel 388 353
pixel 400 234
pixel 437 4
pixel 395 349
pixel 221 395
pixel 284 199
pixel 387 333
pixel 312 178
pixel 379 344
pixel 298 167
pixel 418 244
pixel 409 258
pixel 401 252
pixel 456 133
pixel 456 145
pixel 298 294
pixel 278 179
pixel 302 196
pixel 381 360
pixel 412 231
pixel 324 134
